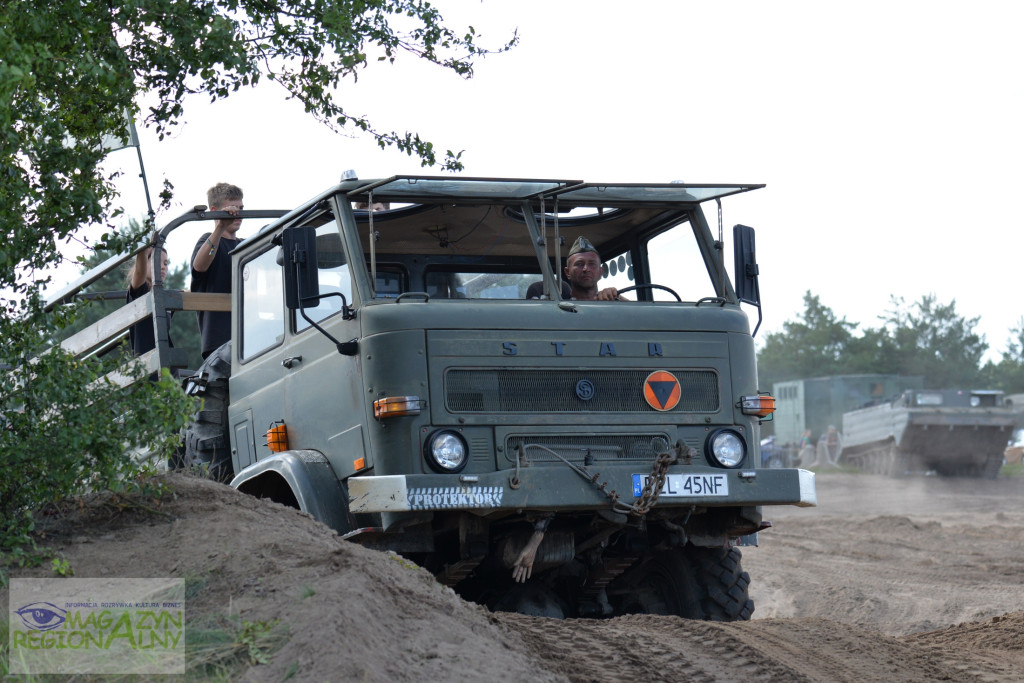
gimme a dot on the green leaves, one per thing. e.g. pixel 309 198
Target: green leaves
pixel 69 72
pixel 68 430
pixel 925 338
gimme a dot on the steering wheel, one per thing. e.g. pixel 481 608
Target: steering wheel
pixel 651 286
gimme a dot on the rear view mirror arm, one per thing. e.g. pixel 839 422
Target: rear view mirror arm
pixel 349 348
pixel 302 287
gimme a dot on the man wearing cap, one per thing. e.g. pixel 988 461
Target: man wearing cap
pixel 582 270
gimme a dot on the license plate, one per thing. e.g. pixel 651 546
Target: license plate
pixel 686 485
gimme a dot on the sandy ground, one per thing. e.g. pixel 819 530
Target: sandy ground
pixel 887 580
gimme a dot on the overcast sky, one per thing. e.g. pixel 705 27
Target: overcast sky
pixel 889 135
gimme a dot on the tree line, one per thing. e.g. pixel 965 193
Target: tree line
pixel 927 338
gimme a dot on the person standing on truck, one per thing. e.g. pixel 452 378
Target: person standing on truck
pixel 211 263
pixel 140 281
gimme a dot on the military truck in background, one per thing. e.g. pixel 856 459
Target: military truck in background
pixel 949 432
pixel 387 375
pixel 815 403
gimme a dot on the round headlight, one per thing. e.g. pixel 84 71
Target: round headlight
pixel 726 448
pixel 446 451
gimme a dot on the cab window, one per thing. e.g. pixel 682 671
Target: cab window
pixel 262 304
pixel 676 262
pixel 478 285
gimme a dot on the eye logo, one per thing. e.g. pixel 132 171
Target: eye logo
pixel 41 616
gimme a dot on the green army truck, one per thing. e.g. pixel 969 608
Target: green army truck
pixel 388 375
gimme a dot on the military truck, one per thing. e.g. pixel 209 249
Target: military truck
pixel 950 432
pixel 388 376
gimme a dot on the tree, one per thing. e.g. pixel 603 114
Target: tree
pixel 926 338
pixel 932 340
pixel 811 347
pixel 73 72
pixel 1008 373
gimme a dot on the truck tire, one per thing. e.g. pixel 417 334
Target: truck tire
pixel 207 444
pixel 695 583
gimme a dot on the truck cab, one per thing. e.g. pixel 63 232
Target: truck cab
pixel 389 376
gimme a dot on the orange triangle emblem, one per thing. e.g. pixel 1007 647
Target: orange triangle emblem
pixel 662 390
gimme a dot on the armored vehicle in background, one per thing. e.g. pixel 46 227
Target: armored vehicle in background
pixel 815 403
pixel 387 375
pixel 950 432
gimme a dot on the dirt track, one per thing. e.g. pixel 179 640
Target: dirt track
pixel 886 580
pixel 869 586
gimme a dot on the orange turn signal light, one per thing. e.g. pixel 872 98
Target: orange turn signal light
pixel 397 406
pixel 761 405
pixel 277 437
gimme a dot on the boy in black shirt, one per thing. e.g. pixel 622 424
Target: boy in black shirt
pixel 211 264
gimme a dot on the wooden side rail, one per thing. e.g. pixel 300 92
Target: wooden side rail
pixel 111 326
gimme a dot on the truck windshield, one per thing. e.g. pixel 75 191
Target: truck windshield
pixel 482 250
pixel 673 257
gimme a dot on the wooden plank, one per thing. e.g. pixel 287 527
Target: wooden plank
pixel 202 301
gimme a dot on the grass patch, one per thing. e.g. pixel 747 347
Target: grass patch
pixel 5 651
pixel 216 649
pixel 1014 470
pixel 222 648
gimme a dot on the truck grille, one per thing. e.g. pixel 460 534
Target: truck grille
pixel 582 448
pixel 496 390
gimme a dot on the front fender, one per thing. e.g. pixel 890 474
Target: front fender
pixel 302 479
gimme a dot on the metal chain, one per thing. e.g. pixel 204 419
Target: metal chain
pixel 649 494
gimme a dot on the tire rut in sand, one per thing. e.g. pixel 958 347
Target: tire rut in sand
pixel 645 647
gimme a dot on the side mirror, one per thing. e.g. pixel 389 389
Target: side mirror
pixel 745 265
pixel 301 275
pixel 745 269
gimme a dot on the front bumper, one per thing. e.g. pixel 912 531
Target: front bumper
pixel 554 488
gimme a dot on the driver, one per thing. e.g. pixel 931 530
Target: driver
pixel 582 270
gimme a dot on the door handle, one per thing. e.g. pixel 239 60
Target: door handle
pixel 290 361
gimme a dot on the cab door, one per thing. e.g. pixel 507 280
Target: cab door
pixel 324 399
